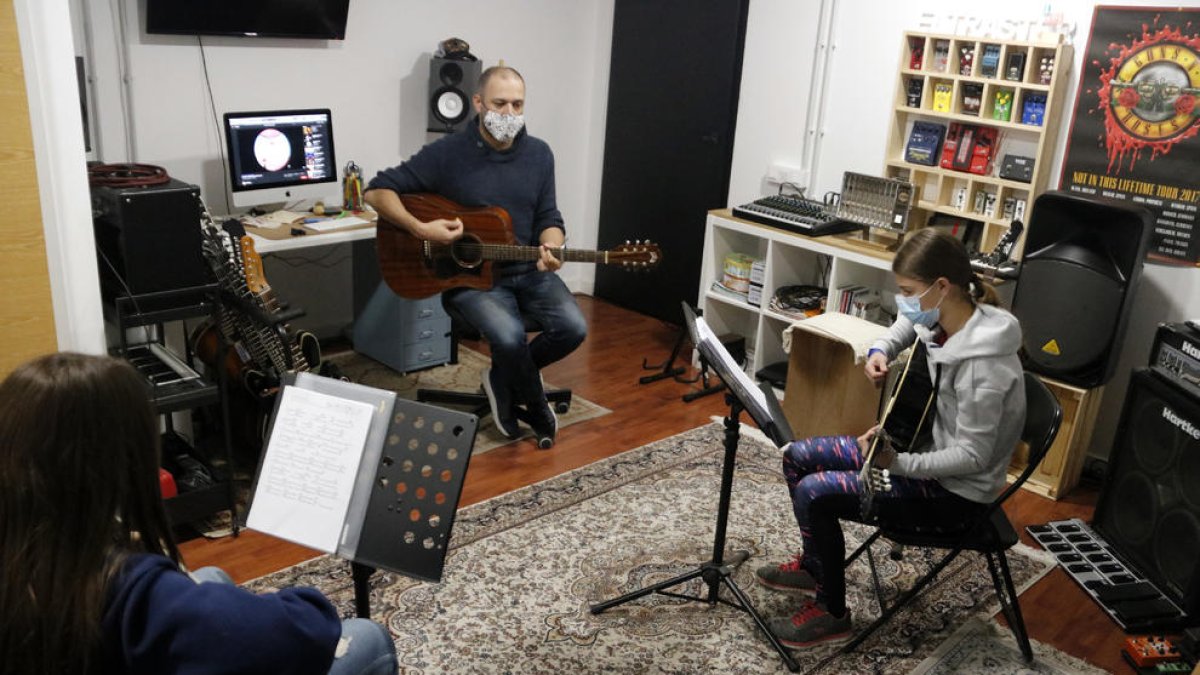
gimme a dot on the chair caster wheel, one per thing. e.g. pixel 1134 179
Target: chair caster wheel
pixel 562 407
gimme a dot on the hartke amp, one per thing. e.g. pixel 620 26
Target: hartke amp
pixel 1176 355
pixel 451 84
pixel 1083 259
pixel 1149 509
pixel 148 238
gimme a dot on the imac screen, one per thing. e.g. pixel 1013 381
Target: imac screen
pixel 279 149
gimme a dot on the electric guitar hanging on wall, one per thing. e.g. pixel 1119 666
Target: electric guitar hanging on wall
pixel 416 268
pixel 906 424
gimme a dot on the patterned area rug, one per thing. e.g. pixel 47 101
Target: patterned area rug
pixel 463 376
pixel 983 647
pixel 524 567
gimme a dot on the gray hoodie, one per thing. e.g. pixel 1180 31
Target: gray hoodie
pixel 980 406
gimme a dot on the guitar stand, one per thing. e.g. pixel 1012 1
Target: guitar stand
pixel 666 368
pixel 706 386
pixel 718 571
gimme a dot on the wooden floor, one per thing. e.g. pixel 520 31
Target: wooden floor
pixel 605 369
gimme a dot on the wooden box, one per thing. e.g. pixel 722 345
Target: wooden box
pixel 827 393
pixel 1059 471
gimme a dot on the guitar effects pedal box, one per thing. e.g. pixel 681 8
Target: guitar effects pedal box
pixel 1133 601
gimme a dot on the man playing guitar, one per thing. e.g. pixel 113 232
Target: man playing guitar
pixel 978 415
pixel 494 162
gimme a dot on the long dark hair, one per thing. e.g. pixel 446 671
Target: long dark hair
pixel 78 493
pixel 929 253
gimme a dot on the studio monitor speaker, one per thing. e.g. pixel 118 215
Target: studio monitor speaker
pixel 148 238
pixel 1083 258
pixel 1149 509
pixel 451 84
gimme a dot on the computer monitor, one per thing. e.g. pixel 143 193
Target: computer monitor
pixel 280 156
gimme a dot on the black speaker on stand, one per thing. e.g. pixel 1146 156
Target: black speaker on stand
pixel 1083 259
pixel 1149 510
pixel 451 84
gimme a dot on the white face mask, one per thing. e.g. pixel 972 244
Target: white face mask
pixel 503 127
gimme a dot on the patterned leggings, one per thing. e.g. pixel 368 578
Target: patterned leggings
pixel 822 478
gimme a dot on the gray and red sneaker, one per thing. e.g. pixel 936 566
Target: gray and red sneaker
pixel 812 625
pixel 789 577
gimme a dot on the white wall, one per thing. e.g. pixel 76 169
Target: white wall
pixel 865 55
pixel 375 82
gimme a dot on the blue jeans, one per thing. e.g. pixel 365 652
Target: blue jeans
pixel 497 315
pixel 369 647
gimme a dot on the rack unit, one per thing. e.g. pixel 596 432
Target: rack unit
pixel 174 394
pixel 937 62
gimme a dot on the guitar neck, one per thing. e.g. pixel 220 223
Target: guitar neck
pixel 507 253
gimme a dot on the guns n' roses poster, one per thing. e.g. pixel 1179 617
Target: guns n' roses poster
pixel 1134 132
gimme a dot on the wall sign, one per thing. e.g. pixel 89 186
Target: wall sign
pixel 1134 132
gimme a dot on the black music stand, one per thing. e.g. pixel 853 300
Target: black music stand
pixel 405 497
pixel 760 402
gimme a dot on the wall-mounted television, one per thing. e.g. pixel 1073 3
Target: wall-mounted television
pixel 318 19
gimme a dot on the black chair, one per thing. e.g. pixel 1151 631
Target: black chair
pixel 476 402
pixel 990 533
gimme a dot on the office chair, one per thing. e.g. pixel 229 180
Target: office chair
pixel 990 533
pixel 476 402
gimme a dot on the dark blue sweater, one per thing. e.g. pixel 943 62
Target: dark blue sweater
pixel 158 621
pixel 462 167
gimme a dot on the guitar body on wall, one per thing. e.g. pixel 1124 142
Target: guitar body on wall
pixel 415 268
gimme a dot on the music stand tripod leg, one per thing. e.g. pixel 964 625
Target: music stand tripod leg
pixel 717 571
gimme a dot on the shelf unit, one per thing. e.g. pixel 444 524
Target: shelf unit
pixel 173 395
pixel 941 63
pixel 790 259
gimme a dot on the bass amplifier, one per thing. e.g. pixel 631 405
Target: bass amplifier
pixel 1176 355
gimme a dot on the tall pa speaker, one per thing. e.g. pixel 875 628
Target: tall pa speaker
pixel 1083 258
pixel 451 83
pixel 1149 510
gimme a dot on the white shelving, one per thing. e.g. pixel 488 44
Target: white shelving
pixel 790 259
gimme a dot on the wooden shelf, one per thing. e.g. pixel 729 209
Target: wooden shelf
pixel 935 185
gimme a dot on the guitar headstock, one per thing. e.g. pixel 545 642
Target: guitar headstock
pixel 637 255
pixel 252 267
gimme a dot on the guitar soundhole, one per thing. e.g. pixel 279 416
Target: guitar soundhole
pixel 467 251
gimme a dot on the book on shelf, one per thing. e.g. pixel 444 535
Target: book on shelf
pixel 721 289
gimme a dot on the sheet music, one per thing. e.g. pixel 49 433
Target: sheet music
pixel 309 468
pixel 744 383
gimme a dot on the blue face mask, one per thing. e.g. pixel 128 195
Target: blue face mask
pixel 910 306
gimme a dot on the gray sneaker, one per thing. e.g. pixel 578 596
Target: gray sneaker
pixel 790 577
pixel 812 625
pixel 502 406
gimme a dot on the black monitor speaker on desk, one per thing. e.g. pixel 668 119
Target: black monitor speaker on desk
pixel 1083 259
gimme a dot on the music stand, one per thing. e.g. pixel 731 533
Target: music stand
pixel 760 402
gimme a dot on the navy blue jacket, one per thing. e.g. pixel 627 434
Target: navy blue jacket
pixel 158 621
pixel 462 167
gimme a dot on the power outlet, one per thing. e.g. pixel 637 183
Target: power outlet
pixel 782 172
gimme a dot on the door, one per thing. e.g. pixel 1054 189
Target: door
pixel 672 108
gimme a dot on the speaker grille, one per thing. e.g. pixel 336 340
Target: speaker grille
pixel 1149 510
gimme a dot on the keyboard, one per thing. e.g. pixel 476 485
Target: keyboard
pixel 795 214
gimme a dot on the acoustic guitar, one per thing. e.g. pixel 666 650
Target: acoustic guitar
pixel 906 424
pixel 415 268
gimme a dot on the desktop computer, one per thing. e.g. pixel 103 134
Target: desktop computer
pixel 280 156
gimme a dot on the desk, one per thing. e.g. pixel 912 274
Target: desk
pixel 403 334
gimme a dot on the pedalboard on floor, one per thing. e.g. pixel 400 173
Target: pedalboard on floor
pixel 1132 600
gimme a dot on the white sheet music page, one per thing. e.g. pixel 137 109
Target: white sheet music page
pixel 308 472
